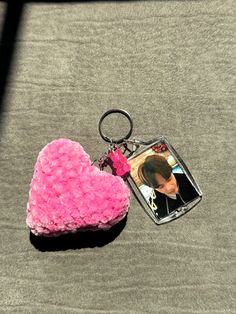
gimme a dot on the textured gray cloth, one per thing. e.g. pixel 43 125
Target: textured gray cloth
pixel 171 64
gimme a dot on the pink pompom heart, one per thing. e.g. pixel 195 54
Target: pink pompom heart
pixel 67 194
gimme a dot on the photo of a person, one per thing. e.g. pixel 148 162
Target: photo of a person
pixel 170 190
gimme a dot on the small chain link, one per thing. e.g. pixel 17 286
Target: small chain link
pixel 103 160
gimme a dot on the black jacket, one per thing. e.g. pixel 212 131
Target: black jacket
pixel 166 204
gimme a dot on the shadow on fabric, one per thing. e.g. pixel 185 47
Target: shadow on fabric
pixel 79 240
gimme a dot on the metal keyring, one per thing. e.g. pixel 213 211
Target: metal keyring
pixel 106 138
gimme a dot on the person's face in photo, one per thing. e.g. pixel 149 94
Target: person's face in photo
pixel 166 186
pixel 157 173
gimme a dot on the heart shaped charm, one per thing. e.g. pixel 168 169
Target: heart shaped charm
pixel 68 194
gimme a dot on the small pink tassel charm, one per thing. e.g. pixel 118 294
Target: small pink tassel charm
pixel 119 163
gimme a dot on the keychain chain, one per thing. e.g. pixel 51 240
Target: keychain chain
pixel 103 160
pixel 117 155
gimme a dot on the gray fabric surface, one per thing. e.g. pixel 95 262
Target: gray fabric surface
pixel 171 64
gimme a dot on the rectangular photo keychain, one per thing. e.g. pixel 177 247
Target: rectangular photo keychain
pixel 155 172
pixel 162 182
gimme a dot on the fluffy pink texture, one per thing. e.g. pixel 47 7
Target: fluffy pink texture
pixel 68 194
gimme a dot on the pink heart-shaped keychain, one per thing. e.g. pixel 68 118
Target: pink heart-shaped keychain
pixel 67 194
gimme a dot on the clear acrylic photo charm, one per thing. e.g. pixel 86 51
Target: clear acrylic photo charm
pixel 155 172
pixel 162 182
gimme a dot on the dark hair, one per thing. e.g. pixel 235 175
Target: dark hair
pixel 152 165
